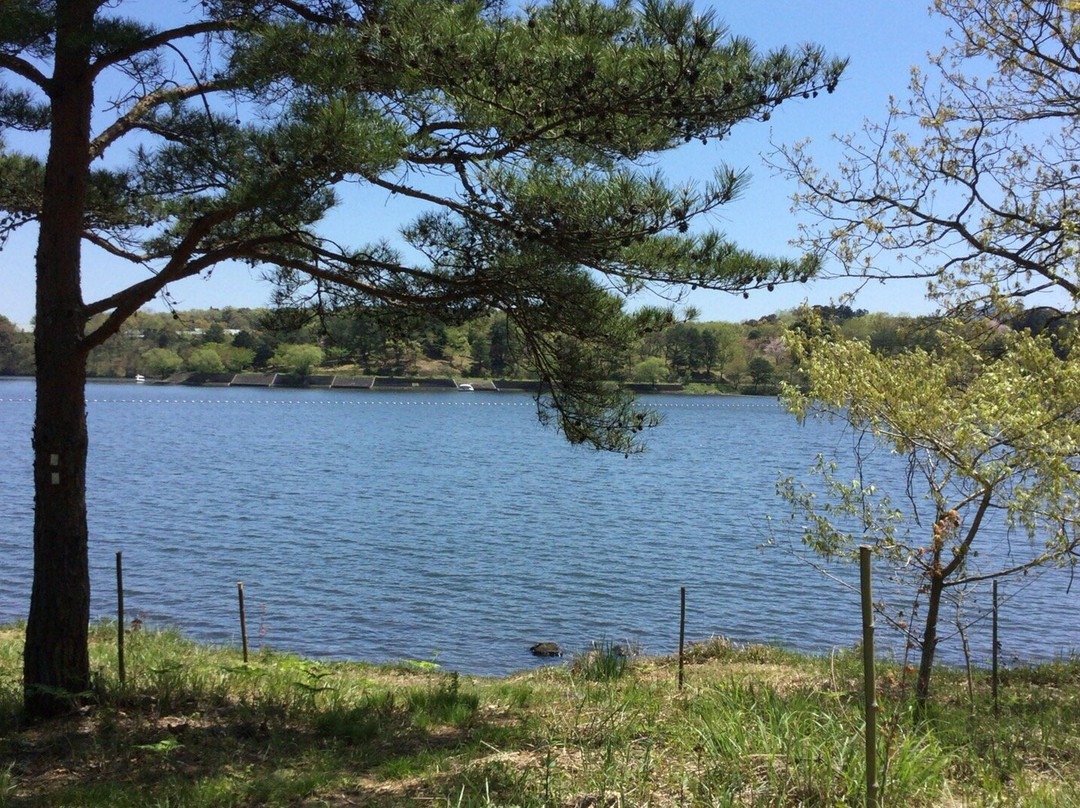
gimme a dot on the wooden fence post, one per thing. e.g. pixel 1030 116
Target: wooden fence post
pixel 243 622
pixel 120 615
pixel 869 678
pixel 682 630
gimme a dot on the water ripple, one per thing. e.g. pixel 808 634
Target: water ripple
pixel 388 526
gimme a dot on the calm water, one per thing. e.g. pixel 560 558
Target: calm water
pixel 388 526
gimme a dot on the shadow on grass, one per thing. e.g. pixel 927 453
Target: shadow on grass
pixel 384 749
pixel 192 726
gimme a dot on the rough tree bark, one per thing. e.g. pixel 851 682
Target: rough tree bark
pixel 55 659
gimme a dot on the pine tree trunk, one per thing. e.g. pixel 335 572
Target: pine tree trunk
pixel 56 660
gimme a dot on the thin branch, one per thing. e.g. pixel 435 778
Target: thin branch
pixel 162 38
pixel 132 118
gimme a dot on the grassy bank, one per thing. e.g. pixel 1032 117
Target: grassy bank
pixel 752 726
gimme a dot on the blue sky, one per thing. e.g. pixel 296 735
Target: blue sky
pixel 882 39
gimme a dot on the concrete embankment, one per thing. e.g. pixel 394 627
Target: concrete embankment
pixel 388 383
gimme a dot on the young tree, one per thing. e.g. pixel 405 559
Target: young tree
pixel 987 437
pixel 520 131
pixel 972 183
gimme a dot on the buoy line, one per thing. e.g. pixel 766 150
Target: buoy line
pixel 298 402
pixel 370 402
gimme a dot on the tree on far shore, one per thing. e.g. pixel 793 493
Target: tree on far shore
pixel 16 350
pixel 205 360
pixel 297 359
pixel 160 362
pixel 762 372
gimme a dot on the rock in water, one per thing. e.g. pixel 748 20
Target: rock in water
pixel 546 649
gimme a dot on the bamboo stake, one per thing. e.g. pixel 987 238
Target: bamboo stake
pixel 869 678
pixel 120 615
pixel 243 622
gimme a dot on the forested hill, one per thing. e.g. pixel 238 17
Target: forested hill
pixel 744 357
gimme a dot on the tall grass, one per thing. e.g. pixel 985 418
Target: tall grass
pixel 603 662
pixel 799 749
pixel 753 726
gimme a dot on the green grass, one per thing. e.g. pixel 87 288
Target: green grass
pixel 603 662
pixel 753 726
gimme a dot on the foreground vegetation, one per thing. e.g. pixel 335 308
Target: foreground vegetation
pixel 757 726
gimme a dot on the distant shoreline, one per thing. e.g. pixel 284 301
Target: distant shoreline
pixel 391 384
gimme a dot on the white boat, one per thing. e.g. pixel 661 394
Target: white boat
pixel 465 388
pixel 139 378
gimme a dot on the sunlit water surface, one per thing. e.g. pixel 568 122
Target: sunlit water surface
pixel 410 526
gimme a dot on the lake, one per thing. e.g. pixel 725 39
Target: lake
pixel 452 526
